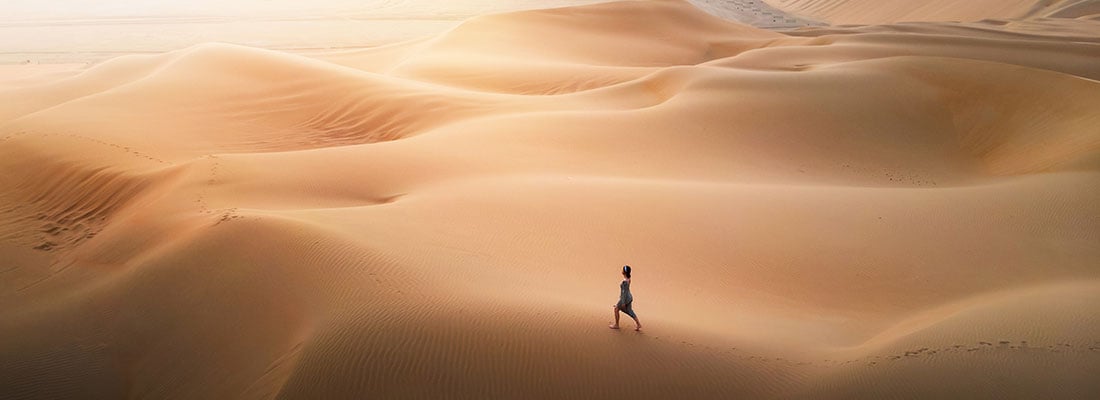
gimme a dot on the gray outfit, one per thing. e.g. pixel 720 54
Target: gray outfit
pixel 625 299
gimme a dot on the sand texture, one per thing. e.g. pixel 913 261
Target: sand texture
pixel 892 11
pixel 904 211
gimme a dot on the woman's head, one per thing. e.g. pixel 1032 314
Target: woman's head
pixel 626 271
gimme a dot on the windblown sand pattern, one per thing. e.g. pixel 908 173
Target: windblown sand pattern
pixel 878 211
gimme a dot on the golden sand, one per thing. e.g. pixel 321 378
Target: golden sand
pixel 883 211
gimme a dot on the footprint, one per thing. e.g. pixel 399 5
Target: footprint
pixel 46 246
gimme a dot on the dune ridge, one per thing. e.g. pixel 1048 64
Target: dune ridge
pixel 886 211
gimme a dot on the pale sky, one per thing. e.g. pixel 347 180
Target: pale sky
pixel 11 10
pixel 64 31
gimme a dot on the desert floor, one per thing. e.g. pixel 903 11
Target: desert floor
pixel 819 198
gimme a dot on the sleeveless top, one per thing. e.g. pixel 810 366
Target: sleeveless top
pixel 624 292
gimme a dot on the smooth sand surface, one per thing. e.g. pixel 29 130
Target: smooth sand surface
pixel 885 211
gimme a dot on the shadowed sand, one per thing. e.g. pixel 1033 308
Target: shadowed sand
pixel 886 211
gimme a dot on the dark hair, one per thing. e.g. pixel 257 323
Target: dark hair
pixel 626 271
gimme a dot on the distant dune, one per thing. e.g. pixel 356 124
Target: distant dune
pixel 891 11
pixel 876 211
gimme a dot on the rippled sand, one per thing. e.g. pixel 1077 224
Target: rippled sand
pixel 875 211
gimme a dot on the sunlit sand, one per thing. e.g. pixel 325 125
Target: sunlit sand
pixel 867 199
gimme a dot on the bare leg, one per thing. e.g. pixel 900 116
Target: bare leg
pixel 616 308
pixel 639 324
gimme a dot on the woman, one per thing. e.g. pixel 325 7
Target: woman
pixel 625 301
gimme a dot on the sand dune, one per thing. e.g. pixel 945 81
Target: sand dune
pixel 1081 9
pixel 890 11
pixel 886 211
pixel 864 12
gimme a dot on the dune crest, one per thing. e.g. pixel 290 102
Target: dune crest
pixel 806 211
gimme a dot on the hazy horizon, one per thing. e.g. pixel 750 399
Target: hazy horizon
pixel 68 31
pixel 63 9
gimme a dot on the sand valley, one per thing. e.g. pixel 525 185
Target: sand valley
pixel 837 199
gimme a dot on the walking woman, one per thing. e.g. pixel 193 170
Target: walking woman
pixel 625 301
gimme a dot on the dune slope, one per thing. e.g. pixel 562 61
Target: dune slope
pixel 897 211
pixel 867 12
pixel 890 11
